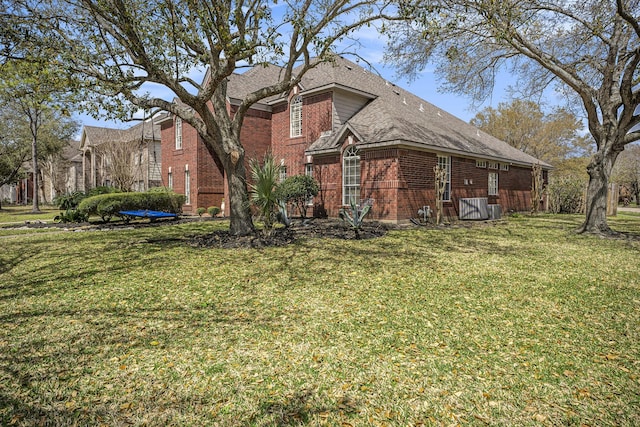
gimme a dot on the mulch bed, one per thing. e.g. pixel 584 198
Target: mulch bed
pixel 316 228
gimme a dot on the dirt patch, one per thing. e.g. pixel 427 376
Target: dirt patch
pixel 317 228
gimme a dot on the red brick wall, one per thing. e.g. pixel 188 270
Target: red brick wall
pixel 327 170
pixel 208 186
pixel 316 118
pixel 210 183
pixel 379 174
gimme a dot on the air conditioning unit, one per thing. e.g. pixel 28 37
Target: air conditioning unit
pixel 495 211
pixel 474 208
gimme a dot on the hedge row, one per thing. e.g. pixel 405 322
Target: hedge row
pixel 108 205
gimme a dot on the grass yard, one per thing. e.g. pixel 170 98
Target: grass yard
pixel 20 214
pixel 522 323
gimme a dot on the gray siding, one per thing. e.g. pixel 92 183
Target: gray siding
pixel 345 105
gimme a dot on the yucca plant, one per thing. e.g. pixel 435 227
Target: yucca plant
pixel 355 217
pixel 263 189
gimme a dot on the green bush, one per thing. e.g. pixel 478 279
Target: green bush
pixel 103 189
pixel 107 205
pixel 566 195
pixel 69 201
pixel 200 211
pixel 213 210
pixel 70 215
pixel 298 189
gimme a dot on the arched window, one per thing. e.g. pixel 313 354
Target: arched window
pixel 295 118
pixel 350 176
pixel 178 133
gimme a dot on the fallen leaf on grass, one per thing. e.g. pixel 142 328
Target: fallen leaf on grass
pixel 540 418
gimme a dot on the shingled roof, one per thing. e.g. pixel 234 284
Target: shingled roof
pixel 393 116
pixel 95 135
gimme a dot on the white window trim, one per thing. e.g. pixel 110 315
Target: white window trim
pixel 308 170
pixel 350 159
pixel 187 187
pixel 295 117
pixel 504 166
pixel 493 184
pixel 446 162
pixel 481 164
pixel 178 133
pixel 494 165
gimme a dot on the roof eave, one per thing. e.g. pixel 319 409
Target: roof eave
pixel 430 148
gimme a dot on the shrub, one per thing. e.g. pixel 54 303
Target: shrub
pixel 298 189
pixel 69 201
pixel 566 195
pixel 70 215
pixel 103 189
pixel 107 205
pixel 213 210
pixel 200 211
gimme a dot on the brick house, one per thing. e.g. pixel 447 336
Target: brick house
pixel 361 137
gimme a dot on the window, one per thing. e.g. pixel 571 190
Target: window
pixel 493 184
pixel 350 176
pixel 481 164
pixel 445 163
pixel 504 166
pixel 308 170
pixel 295 111
pixel 283 173
pixel 493 165
pixel 170 180
pixel 187 187
pixel 178 133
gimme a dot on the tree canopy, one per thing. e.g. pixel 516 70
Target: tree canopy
pixel 549 137
pixel 588 51
pixel 125 48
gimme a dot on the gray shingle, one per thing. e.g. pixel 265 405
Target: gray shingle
pixel 393 117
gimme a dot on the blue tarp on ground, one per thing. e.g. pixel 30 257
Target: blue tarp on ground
pixel 148 214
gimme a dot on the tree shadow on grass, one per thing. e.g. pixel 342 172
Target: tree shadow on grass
pixel 301 407
pixel 40 372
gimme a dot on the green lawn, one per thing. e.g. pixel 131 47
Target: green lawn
pixel 521 323
pixel 15 214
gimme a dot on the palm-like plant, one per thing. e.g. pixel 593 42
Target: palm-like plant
pixel 263 189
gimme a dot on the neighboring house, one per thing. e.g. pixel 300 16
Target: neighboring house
pixel 361 137
pixel 132 156
pixel 8 193
pixel 61 174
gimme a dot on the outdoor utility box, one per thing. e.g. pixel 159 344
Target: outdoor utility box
pixel 474 208
pixel 495 212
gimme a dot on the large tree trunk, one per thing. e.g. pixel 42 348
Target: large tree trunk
pixel 226 147
pixel 241 223
pixel 599 170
